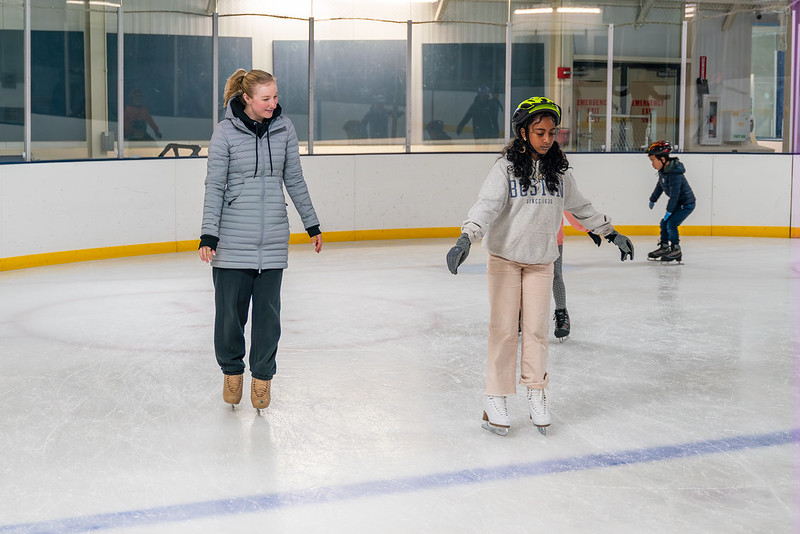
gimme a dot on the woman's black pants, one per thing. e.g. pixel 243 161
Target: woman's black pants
pixel 234 290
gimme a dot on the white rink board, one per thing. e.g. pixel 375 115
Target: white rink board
pixel 752 190
pixel 51 207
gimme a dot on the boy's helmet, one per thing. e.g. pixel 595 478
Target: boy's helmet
pixel 659 148
pixel 532 106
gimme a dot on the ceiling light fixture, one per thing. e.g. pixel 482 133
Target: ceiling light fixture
pixel 594 10
pixel 533 11
pixel 94 3
pixel 569 10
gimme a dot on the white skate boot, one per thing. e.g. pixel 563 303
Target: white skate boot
pixel 540 413
pixel 495 415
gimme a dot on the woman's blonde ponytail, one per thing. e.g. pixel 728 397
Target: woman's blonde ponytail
pixel 244 82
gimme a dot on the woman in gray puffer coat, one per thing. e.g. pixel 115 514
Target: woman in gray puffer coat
pixel 253 154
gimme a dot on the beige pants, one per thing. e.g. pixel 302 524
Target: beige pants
pixel 516 288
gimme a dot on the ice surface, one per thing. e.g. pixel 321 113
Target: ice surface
pixel 675 399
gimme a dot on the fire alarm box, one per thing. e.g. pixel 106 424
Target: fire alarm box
pixel 709 132
pixel 564 73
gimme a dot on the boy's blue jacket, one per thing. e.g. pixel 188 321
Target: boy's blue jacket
pixel 672 182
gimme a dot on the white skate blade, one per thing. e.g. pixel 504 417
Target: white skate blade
pixel 499 430
pixel 562 339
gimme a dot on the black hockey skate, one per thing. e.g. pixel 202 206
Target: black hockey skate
pixel 674 254
pixel 663 249
pixel 562 324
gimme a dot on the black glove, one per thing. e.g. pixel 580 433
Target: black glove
pixel 624 244
pixel 596 238
pixel 458 253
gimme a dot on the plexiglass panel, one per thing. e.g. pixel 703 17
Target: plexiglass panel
pixel 739 99
pixel 67 68
pixel 769 81
pixel 167 81
pixel 734 95
pixel 572 65
pixel 460 77
pixel 464 91
pixel 273 38
pixel 647 76
pixel 360 85
pixel 12 80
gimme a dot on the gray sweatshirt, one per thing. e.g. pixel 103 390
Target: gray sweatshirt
pixel 523 226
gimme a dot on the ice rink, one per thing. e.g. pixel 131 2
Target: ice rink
pixel 675 401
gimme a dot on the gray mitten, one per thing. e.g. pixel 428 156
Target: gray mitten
pixel 458 253
pixel 624 244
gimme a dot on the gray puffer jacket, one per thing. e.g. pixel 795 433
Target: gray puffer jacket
pixel 244 202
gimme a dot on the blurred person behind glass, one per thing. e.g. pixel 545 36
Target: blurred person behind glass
pixel 483 113
pixel 137 117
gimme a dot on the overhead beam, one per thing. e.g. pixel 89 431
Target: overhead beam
pixel 730 18
pixel 644 10
pixel 440 7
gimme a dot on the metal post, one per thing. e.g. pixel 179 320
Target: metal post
pixel 682 102
pixel 26 154
pixel 794 98
pixel 609 85
pixel 215 68
pixel 652 128
pixel 409 51
pixel 120 83
pixel 311 85
pixel 507 100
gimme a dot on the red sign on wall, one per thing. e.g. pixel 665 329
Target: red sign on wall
pixel 564 73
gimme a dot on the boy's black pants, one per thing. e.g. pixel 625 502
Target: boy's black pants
pixel 234 289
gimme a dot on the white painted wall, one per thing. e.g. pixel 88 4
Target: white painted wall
pixel 53 207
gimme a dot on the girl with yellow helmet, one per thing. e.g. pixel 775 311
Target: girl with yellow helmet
pixel 518 215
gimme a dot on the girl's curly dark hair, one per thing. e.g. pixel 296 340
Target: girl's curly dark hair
pixel 552 164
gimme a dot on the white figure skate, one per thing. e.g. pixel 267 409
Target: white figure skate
pixel 495 415
pixel 540 413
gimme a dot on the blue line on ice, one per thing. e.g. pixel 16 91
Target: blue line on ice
pixel 259 503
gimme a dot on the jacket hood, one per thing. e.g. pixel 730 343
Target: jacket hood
pixel 673 166
pixel 235 109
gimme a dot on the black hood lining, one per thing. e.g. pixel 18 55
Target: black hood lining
pixel 258 128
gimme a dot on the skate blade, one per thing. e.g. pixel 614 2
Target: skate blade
pixel 541 428
pixel 498 430
pixel 495 429
pixel 563 339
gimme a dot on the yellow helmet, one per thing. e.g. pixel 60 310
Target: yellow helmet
pixel 534 106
